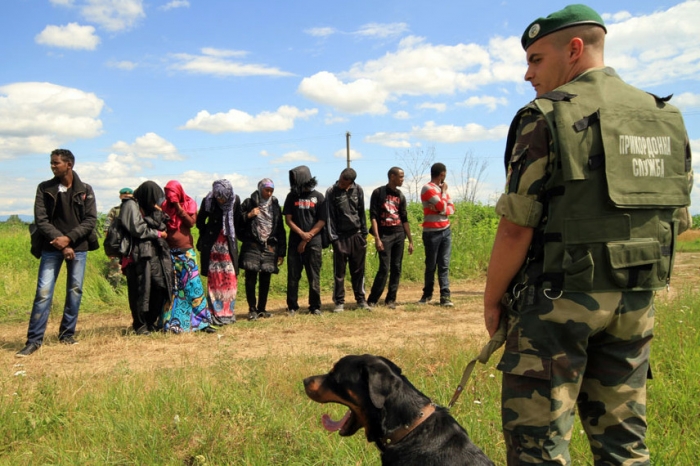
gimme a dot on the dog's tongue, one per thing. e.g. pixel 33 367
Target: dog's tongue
pixel 332 426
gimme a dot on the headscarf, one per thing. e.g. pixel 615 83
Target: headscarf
pixel 263 222
pixel 175 193
pixel 223 189
pixel 148 195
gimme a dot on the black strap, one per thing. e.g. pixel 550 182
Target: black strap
pixel 596 161
pixel 558 96
pixel 661 99
pixel 587 121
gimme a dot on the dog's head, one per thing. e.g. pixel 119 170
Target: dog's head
pixel 378 397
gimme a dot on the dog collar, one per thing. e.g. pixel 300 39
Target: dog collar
pixel 399 434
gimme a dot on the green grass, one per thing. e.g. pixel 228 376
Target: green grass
pixel 254 411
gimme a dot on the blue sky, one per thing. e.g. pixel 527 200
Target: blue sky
pixel 201 90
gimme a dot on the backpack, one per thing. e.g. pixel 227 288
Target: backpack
pixel 117 241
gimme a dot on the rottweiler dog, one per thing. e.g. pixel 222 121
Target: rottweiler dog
pixel 405 425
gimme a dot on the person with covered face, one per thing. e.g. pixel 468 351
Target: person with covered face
pixel 264 244
pixel 219 250
pixel 148 267
pixel 303 212
pixel 189 311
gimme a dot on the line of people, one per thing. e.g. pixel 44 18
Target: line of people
pixel 159 260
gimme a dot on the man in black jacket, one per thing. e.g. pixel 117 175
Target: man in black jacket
pixel 65 215
pixel 347 230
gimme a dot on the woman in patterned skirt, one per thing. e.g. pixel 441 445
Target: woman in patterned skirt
pixel 189 311
pixel 219 250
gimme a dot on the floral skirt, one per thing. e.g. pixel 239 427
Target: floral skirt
pixel 222 282
pixel 189 311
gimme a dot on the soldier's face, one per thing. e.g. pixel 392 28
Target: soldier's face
pixel 547 65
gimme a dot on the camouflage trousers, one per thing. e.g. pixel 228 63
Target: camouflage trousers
pixel 114 271
pixel 585 350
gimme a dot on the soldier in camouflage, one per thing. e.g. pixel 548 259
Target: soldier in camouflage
pixel 578 335
pixel 114 268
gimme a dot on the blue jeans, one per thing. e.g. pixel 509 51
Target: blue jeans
pixel 438 248
pixel 49 267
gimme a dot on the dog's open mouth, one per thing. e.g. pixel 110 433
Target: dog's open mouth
pixel 348 425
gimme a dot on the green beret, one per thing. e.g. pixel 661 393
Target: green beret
pixel 572 15
pixel 126 191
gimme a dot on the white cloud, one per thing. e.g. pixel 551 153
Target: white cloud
pixel 438 133
pixel 175 4
pixel 402 115
pixel 343 154
pixel 217 62
pixel 450 133
pixel 62 2
pixel 149 146
pixel 37 117
pixel 616 18
pixel 487 101
pixel 238 121
pixel 321 31
pixel 357 97
pixel 114 15
pixel 122 65
pixel 331 119
pixel 395 140
pixel 416 68
pixel 382 30
pixel 432 106
pixel 295 156
pixel 70 36
pixel 686 101
pixel 653 49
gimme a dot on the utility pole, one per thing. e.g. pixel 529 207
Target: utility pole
pixel 347 147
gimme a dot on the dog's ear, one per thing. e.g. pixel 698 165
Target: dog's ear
pixel 382 381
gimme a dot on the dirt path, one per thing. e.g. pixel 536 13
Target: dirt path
pixel 106 345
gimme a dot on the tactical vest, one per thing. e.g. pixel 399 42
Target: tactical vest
pixel 620 174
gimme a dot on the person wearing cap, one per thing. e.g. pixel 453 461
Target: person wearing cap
pixel 598 182
pixel 114 268
pixel 260 228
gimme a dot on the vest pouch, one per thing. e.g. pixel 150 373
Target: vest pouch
pixel 578 269
pixel 634 263
pixel 644 158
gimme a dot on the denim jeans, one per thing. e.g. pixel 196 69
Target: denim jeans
pixel 49 267
pixel 438 248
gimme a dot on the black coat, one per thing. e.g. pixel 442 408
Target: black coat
pixel 210 225
pixel 148 250
pixel 84 209
pixel 258 255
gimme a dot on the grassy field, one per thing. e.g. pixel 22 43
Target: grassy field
pixel 252 410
